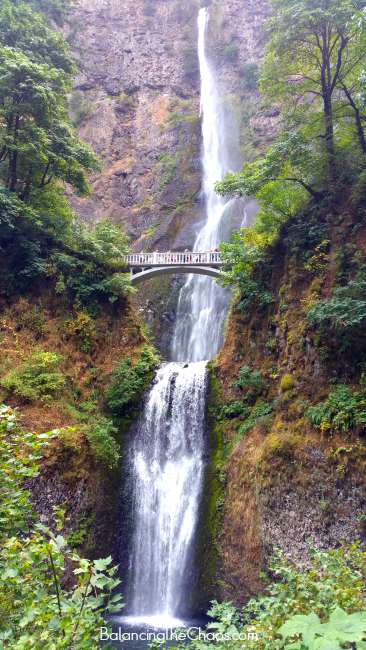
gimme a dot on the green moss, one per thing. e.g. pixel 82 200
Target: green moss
pixel 208 550
pixel 287 382
pixel 283 289
pixel 279 444
pixel 291 338
pixel 316 285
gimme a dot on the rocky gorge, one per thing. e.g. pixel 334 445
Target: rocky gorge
pixel 273 477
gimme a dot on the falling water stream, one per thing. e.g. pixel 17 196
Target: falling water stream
pixel 167 454
pixel 202 303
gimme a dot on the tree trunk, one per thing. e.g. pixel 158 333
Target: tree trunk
pixel 360 131
pixel 14 158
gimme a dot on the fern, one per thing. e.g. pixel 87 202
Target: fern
pixel 342 410
pixel 346 308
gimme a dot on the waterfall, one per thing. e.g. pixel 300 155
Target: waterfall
pixel 166 456
pixel 202 303
pixel 166 461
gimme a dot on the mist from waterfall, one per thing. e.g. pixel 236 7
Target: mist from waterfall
pixel 203 304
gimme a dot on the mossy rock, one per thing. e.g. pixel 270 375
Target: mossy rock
pixel 277 444
pixel 316 285
pixel 287 382
pixel 292 337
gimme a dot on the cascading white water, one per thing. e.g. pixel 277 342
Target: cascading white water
pixel 202 303
pixel 167 464
pixel 167 453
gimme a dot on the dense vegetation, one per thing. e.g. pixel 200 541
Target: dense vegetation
pixel 311 182
pixel 300 280
pixel 40 154
pixel 36 611
pixel 322 605
pixel 311 187
pixel 60 289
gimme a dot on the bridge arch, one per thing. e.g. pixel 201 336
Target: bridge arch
pixel 171 270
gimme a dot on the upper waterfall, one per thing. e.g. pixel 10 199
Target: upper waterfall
pixel 202 303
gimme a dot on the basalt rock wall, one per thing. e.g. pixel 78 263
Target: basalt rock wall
pixel 136 102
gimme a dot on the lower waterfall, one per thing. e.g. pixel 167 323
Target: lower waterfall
pixel 167 460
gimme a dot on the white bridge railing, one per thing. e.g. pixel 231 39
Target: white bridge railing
pixel 145 259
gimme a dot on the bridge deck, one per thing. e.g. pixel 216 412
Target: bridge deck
pixel 212 259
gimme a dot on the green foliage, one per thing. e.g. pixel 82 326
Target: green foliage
pixel 345 309
pixel 37 143
pixel 190 60
pixel 129 381
pixel 334 582
pixel 102 443
pixel 251 380
pixel 168 166
pixel 343 410
pixel 38 147
pixel 87 264
pixel 341 628
pixel 321 144
pixel 27 32
pixel 230 52
pixel 287 382
pixel 244 257
pixel 258 414
pixel 35 611
pixel 251 74
pixel 54 9
pixel 82 108
pixel 233 409
pixel 81 531
pixel 37 378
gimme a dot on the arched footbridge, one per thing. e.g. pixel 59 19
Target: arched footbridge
pixel 144 266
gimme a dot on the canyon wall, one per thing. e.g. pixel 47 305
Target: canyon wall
pixel 136 102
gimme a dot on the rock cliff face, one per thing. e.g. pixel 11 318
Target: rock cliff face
pixel 287 481
pixel 139 92
pixel 136 101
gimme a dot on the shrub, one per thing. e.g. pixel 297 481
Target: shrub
pixel 287 382
pixel 231 52
pixel 102 443
pixel 233 409
pixel 336 579
pixel 190 60
pixel 346 308
pixel 252 381
pixel 258 414
pixel 82 108
pixel 251 73
pixel 342 410
pixel 129 381
pixel 38 377
pixel 83 327
pixel 36 612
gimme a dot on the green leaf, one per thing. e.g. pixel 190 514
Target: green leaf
pixel 308 626
pixel 326 643
pixel 55 623
pixel 348 627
